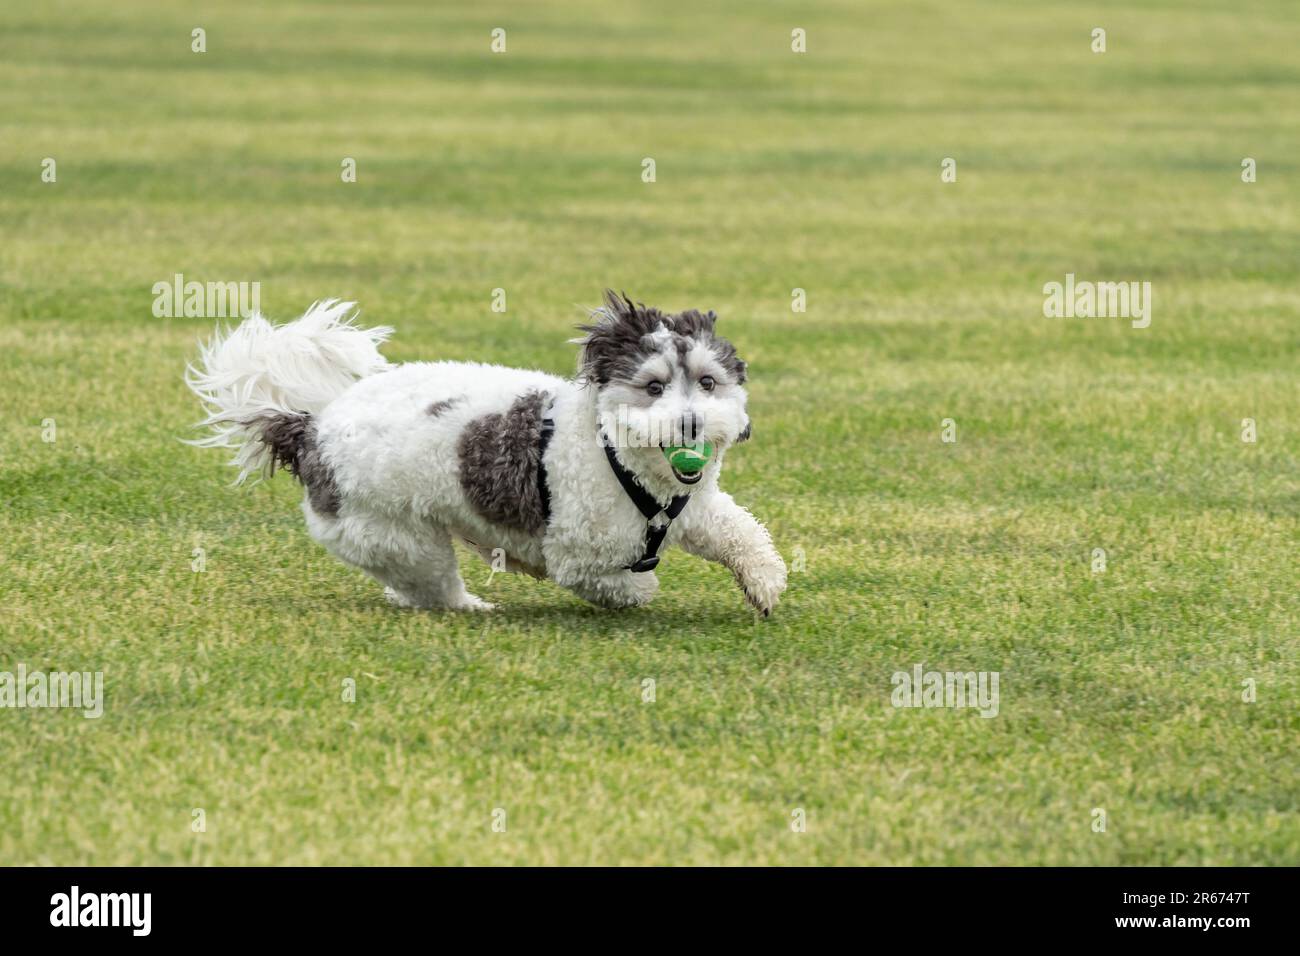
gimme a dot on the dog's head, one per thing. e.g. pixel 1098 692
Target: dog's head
pixel 662 379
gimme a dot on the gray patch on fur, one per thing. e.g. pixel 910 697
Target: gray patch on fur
pixel 499 459
pixel 292 440
pixel 437 408
pixel 621 339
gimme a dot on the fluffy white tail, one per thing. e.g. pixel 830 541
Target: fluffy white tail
pixel 258 372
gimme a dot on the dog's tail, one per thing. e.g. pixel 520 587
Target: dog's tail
pixel 258 374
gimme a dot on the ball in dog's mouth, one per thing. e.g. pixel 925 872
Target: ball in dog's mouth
pixel 688 461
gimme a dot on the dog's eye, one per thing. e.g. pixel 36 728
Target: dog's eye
pixel 655 388
pixel 706 383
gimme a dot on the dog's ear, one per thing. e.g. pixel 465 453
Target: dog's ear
pixel 613 342
pixel 700 325
pixel 733 363
pixel 617 305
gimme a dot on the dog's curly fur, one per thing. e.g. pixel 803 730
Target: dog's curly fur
pixel 397 460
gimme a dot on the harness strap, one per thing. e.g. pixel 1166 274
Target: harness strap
pixel 543 489
pixel 658 517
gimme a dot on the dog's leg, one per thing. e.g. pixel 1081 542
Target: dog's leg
pixel 432 579
pixel 618 589
pixel 415 563
pixel 724 532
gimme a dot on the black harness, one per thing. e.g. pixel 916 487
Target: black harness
pixel 544 439
pixel 657 516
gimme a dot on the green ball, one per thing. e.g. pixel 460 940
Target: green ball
pixel 688 459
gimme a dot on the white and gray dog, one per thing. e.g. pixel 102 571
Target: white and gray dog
pixel 556 478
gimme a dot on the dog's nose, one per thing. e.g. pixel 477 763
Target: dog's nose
pixel 692 427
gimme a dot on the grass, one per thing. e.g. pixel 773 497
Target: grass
pixel 1120 690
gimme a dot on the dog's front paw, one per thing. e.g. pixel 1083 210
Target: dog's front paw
pixel 764 585
pixel 621 590
pixel 644 588
pixel 631 590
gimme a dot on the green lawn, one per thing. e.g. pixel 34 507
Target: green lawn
pixel 1120 690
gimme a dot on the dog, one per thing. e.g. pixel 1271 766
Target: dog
pixel 557 478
